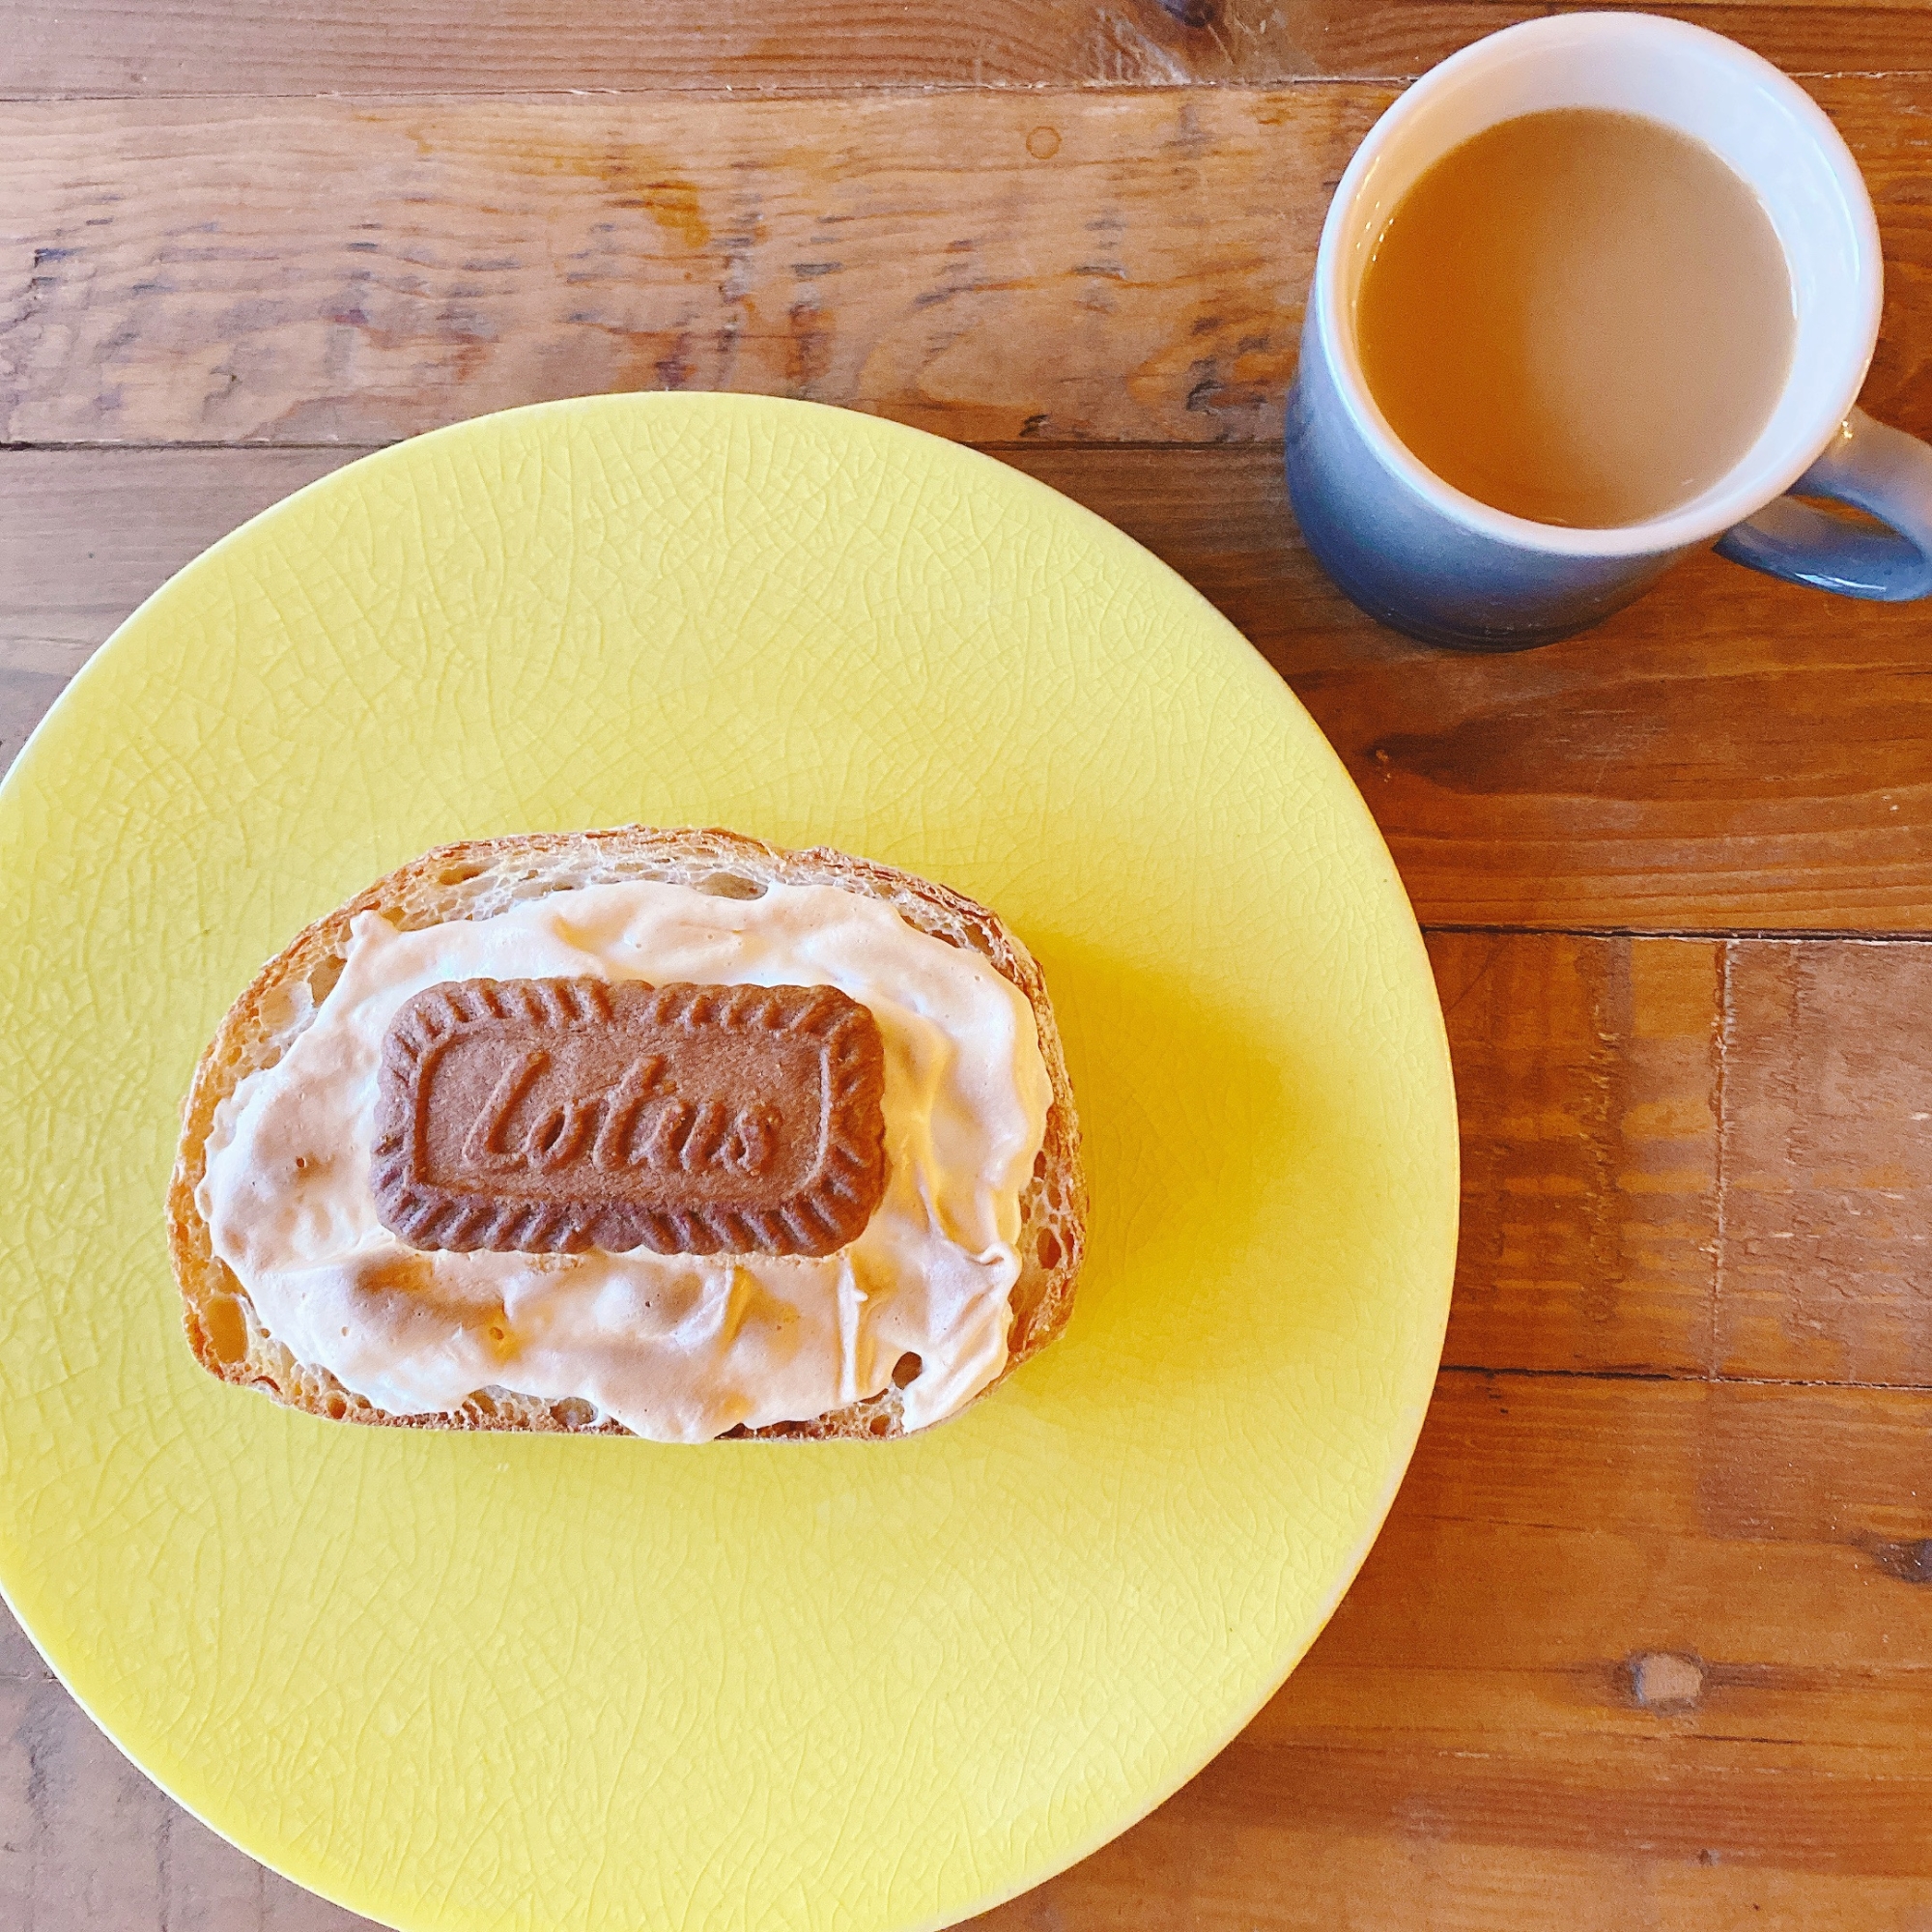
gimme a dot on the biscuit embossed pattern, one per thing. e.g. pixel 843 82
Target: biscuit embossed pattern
pixel 550 1115
pixel 504 1681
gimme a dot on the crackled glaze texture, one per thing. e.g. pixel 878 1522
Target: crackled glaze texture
pixel 514 1682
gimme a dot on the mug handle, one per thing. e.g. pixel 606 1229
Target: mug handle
pixel 1875 468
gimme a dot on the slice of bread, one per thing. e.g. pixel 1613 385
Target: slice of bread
pixel 483 877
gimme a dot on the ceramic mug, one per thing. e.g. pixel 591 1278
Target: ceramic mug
pixel 1438 564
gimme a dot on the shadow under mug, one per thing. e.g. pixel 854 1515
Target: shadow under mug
pixel 1428 559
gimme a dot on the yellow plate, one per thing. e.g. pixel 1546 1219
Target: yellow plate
pixel 523 1682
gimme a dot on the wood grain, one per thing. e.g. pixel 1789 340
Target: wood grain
pixel 1589 1075
pixel 1729 753
pixel 1110 267
pixel 112 48
pixel 104 47
pixel 1827 1255
pixel 1692 1158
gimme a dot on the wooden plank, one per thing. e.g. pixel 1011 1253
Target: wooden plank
pixel 334 270
pixel 1728 754
pixel 1827 1255
pixel 106 47
pixel 1113 266
pixel 252 47
pixel 1588 1075
pixel 1682 1156
pixel 1181 1872
pixel 1636 1654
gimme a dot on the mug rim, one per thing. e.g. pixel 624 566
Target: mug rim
pixel 1743 491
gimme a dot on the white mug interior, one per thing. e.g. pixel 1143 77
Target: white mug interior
pixel 1764 126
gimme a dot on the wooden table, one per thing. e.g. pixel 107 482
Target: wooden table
pixel 1648 1638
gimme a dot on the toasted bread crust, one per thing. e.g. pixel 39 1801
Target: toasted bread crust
pixel 482 877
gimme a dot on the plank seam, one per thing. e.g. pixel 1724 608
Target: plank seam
pixel 1270 448
pixel 754 91
pixel 1834 935
pixel 830 90
pixel 1694 1375
pixel 136 448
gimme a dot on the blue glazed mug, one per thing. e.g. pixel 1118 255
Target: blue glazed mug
pixel 1437 563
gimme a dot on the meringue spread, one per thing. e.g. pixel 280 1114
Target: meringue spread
pixel 676 1347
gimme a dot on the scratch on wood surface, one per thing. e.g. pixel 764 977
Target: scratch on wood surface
pixel 1605 1141
pixel 1123 54
pixel 378 268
